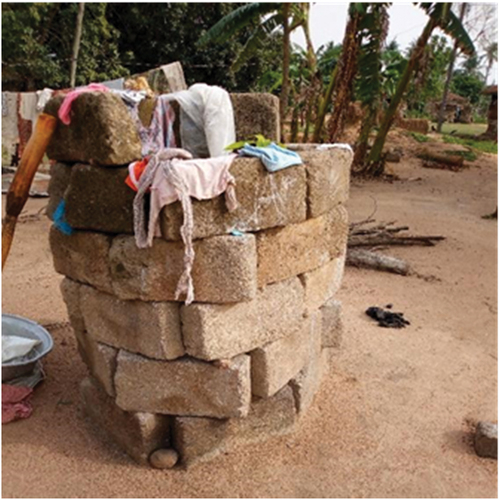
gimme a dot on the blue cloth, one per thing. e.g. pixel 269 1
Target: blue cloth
pixel 273 156
pixel 59 219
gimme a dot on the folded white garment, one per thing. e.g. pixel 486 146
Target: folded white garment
pixel 16 347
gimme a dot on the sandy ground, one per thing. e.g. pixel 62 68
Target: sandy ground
pixel 394 414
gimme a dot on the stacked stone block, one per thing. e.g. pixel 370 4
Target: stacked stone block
pixel 241 363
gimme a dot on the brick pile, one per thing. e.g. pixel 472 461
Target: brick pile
pixel 244 361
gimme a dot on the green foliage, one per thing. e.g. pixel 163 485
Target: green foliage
pixel 37 41
pixel 467 84
pixel 482 146
pixel 418 137
pixel 467 155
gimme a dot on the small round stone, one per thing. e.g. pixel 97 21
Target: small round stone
pixel 164 458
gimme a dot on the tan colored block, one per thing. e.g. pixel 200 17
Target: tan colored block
pixel 138 434
pixel 256 113
pixel 101 132
pixel 328 175
pixel 82 257
pixel 224 269
pixel 201 439
pixel 97 199
pixel 184 387
pixel 149 328
pixel 332 325
pixel 265 200
pixel 213 331
pixel 338 231
pixel 292 250
pixel 306 384
pixel 322 283
pixel 276 363
pixel 70 291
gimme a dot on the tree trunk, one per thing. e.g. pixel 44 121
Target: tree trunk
pixel 368 121
pixel 323 106
pixel 463 8
pixel 286 68
pixel 76 44
pixel 375 157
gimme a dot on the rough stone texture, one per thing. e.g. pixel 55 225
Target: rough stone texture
pixel 212 331
pixel 274 364
pixel 60 175
pixel 224 269
pixel 338 231
pixel 322 283
pixel 307 382
pixel 101 131
pixel 98 199
pixel 328 174
pixel 265 200
pixel 164 458
pixel 70 291
pixel 332 326
pixel 149 328
pixel 486 439
pixel 138 434
pixel 294 249
pixel 83 257
pixel 201 439
pixel 184 387
pixel 256 114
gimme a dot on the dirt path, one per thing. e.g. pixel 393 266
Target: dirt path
pixel 393 415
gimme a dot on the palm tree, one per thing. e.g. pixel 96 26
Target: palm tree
pixel 440 15
pixel 491 55
pixel 269 17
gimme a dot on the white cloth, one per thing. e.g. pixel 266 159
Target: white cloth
pixel 14 346
pixel 207 120
pixel 43 97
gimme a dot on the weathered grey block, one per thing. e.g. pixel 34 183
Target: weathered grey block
pixel 213 331
pixel 184 387
pixel 328 174
pixel 101 131
pixel 256 113
pixel 98 199
pixel 276 363
pixel 224 269
pixel 138 434
pixel 486 439
pixel 265 200
pixel 322 283
pixel 332 326
pixel 149 328
pixel 296 249
pixel 60 174
pixel 83 257
pixel 201 439
pixel 308 380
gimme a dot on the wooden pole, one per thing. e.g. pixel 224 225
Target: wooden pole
pixel 18 192
pixel 76 43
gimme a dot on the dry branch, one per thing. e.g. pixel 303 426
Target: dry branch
pixel 379 262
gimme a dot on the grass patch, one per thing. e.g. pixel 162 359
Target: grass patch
pixel 419 137
pixel 482 146
pixel 466 155
pixel 464 128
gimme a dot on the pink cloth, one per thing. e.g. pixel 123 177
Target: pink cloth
pixel 65 109
pixel 15 403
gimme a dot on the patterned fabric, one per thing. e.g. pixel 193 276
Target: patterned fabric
pixel 15 403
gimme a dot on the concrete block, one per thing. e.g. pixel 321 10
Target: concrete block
pixel 293 250
pixel 256 113
pixel 138 434
pixel 276 363
pixel 224 270
pixel 70 291
pixel 201 439
pixel 322 283
pixel 149 328
pixel 98 199
pixel 60 174
pixel 308 380
pixel 213 331
pixel 328 174
pixel 101 132
pixel 486 439
pixel 332 326
pixel 185 387
pixel 265 200
pixel 338 231
pixel 82 256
